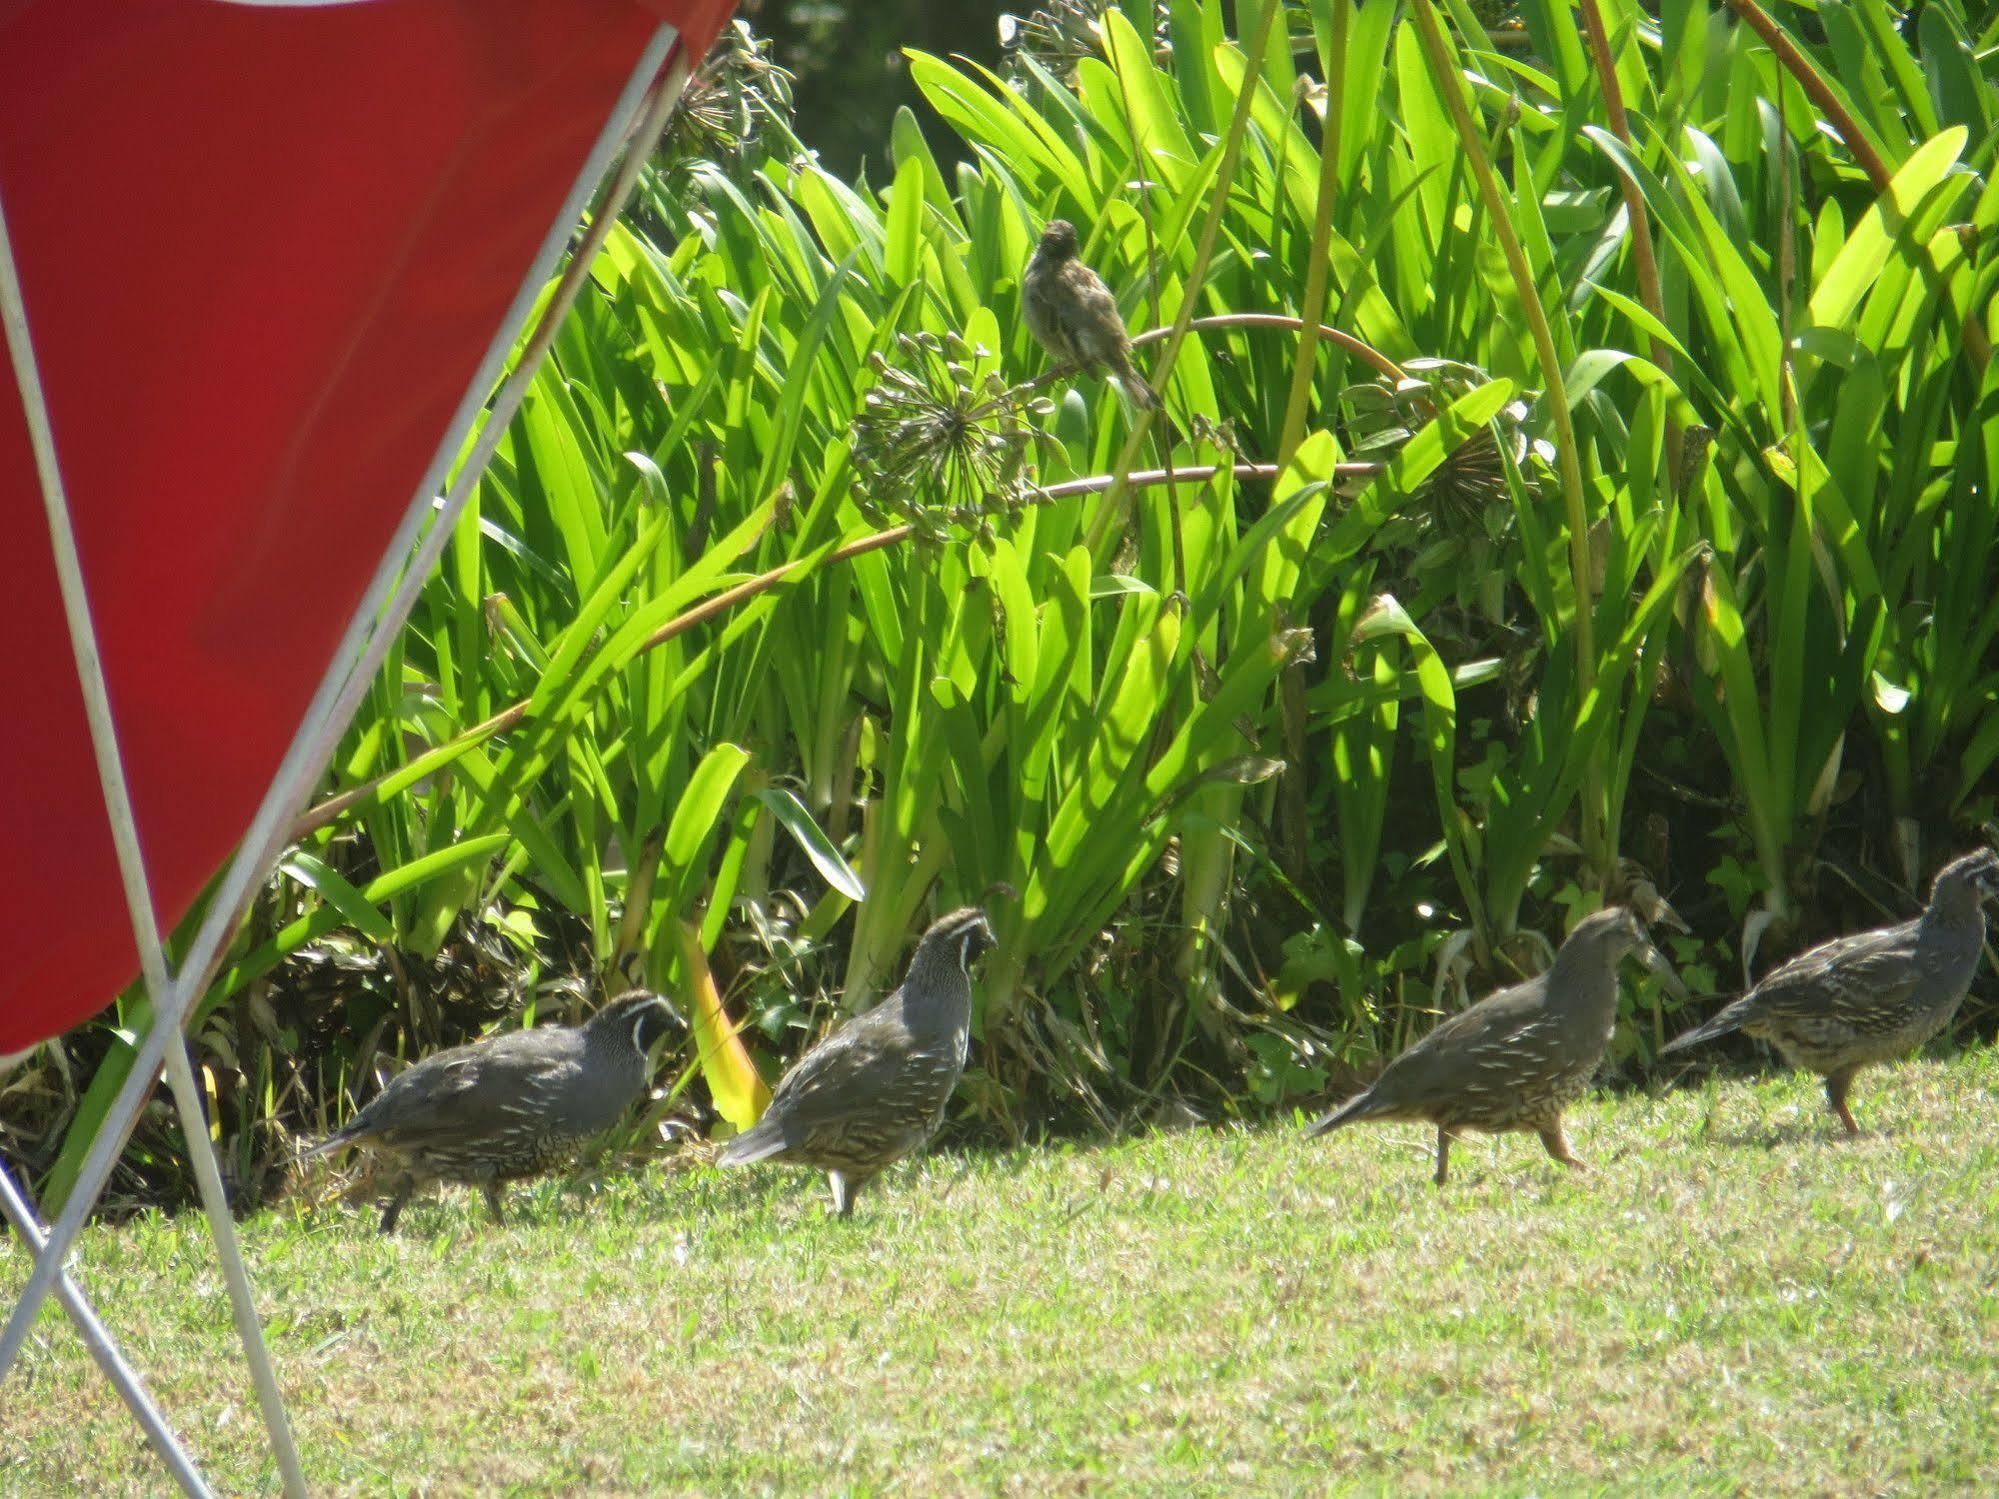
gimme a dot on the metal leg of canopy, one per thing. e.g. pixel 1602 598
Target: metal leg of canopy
pixel 132 872
pixel 640 114
pixel 131 1389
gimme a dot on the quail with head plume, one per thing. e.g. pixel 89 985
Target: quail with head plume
pixel 874 1090
pixel 1073 314
pixel 1516 1059
pixel 507 1107
pixel 1872 996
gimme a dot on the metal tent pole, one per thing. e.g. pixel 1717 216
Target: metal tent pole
pixel 355 662
pixel 131 1389
pixel 131 862
pixel 353 668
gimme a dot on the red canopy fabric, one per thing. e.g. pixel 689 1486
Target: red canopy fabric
pixel 263 250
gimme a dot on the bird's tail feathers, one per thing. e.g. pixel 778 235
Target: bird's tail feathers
pixel 758 1143
pixel 338 1140
pixel 1360 1106
pixel 1134 386
pixel 1728 1020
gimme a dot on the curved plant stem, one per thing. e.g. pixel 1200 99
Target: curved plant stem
pixel 1451 85
pixel 1820 92
pixel 1365 352
pixel 317 817
pixel 1642 258
pixel 1379 361
pixel 1140 167
pixel 1318 267
pixel 1290 791
pixel 1111 512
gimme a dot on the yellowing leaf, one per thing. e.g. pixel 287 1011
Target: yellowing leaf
pixel 738 1089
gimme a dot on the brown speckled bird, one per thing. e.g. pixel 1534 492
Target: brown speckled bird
pixel 874 1091
pixel 1518 1058
pixel 507 1107
pixel 1070 310
pixel 1872 996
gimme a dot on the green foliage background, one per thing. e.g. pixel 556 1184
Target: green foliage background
pixel 1550 581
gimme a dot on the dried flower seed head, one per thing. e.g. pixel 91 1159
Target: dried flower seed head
pixel 938 445
pixel 1466 493
pixel 1057 36
pixel 733 97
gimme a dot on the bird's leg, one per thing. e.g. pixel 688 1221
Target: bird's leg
pixel 1835 1094
pixel 1443 1155
pixel 1556 1143
pixel 492 1191
pixel 843 1193
pixel 394 1209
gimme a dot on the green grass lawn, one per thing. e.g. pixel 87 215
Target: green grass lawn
pixel 1730 1301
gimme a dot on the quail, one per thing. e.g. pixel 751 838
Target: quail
pixel 1872 996
pixel 1073 314
pixel 508 1107
pixel 1516 1059
pixel 874 1090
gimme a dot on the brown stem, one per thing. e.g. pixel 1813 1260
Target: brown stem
pixel 1813 82
pixel 317 817
pixel 1292 813
pixel 1365 352
pixel 1597 836
pixel 1820 92
pixel 1111 512
pixel 1787 264
pixel 1636 216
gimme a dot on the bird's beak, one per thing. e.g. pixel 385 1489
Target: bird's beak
pixel 1662 969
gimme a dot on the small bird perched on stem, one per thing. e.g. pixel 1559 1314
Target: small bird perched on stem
pixel 1517 1058
pixel 1872 996
pixel 1073 314
pixel 507 1107
pixel 874 1091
